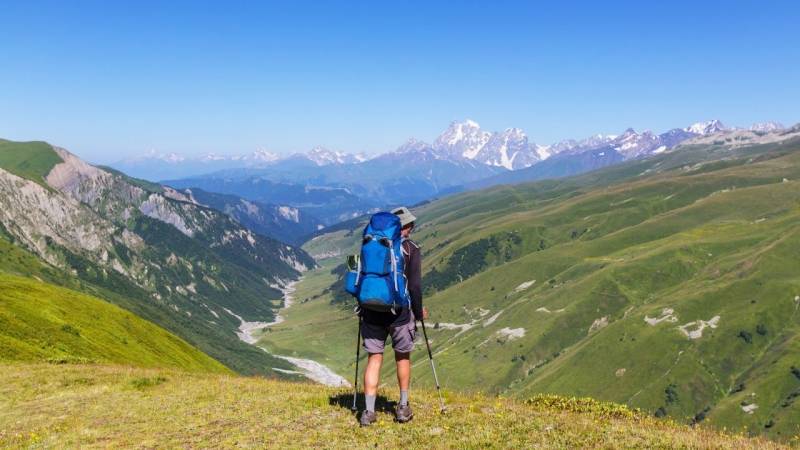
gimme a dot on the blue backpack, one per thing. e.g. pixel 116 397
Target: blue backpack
pixel 379 281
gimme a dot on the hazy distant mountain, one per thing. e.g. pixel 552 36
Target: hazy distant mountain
pixel 322 156
pixel 511 149
pixel 338 191
pixel 285 223
pixel 704 128
pixel 334 186
pixel 328 204
pixel 767 126
pixel 157 166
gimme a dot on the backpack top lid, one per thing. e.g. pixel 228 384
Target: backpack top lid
pixel 384 224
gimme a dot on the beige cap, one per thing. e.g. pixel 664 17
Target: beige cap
pixel 405 215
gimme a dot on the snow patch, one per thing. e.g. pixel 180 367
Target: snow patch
pixel 700 325
pixel 667 315
pixel 749 409
pixel 598 324
pixel 461 327
pixel 524 286
pixel 511 333
pixel 289 213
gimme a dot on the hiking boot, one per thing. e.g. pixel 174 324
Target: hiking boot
pixel 403 413
pixel 368 418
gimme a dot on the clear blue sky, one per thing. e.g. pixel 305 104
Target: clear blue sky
pixel 108 80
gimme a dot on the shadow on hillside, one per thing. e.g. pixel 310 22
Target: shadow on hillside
pixel 382 404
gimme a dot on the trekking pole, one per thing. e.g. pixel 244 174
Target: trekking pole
pixel 358 355
pixel 433 367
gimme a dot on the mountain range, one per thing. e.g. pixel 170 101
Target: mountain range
pixel 285 223
pixel 333 187
pixel 159 166
pixel 510 149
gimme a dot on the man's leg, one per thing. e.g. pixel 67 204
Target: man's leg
pixel 403 343
pixel 403 361
pixel 372 376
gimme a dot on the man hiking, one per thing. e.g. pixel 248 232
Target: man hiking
pixel 400 324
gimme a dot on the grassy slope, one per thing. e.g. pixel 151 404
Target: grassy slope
pixel 704 239
pixel 31 160
pixel 144 184
pixel 77 406
pixel 42 322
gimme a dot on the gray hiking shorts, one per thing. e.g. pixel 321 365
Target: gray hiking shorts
pixel 403 337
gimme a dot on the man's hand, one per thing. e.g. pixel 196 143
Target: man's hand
pixel 424 313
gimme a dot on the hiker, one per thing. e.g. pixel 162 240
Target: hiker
pixel 399 323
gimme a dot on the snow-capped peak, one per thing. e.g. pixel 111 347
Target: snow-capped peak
pixel 634 145
pixel 172 158
pixel 360 157
pixel 212 157
pixel 262 155
pixel 461 139
pixel 707 127
pixel 153 154
pixel 413 145
pixel 471 123
pixel 766 127
pixel 322 156
pixel 514 132
pixel 509 149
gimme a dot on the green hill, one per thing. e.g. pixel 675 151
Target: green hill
pixel 30 160
pixel 670 284
pixel 42 322
pixel 111 407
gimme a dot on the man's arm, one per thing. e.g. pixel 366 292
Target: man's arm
pixel 414 278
